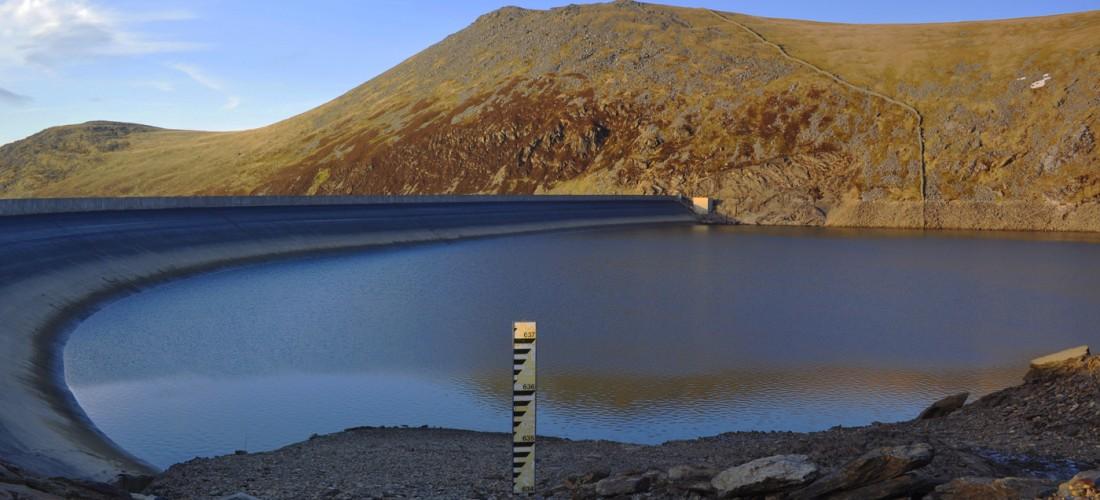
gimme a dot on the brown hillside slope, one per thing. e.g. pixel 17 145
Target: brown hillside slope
pixel 788 122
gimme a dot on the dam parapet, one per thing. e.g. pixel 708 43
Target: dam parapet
pixel 33 206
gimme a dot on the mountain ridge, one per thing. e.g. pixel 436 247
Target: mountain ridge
pixel 788 122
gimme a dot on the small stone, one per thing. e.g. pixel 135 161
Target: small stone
pixel 765 475
pixel 944 407
pixel 622 485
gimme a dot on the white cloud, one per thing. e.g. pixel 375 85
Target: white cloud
pixel 50 33
pixel 198 75
pixel 9 97
pixel 201 77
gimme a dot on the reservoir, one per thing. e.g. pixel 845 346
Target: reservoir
pixel 646 334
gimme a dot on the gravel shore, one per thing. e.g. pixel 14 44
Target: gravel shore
pixel 1047 428
pixel 1040 439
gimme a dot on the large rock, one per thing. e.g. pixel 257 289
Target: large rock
pixel 987 488
pixel 1083 485
pixel 1061 364
pixel 765 475
pixel 911 485
pixel 872 467
pixel 944 407
pixel 622 485
pixel 1071 354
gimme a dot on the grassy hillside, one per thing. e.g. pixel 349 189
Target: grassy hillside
pixel 788 122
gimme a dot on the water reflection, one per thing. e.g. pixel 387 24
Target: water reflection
pixel 645 335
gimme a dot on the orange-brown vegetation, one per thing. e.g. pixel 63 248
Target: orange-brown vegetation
pixel 787 122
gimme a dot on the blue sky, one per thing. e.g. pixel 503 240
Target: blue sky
pixel 235 64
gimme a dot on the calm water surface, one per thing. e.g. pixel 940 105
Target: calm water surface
pixel 645 335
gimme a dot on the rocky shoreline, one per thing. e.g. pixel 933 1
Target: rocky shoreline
pixel 1040 439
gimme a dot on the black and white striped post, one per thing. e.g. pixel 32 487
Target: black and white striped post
pixel 523 407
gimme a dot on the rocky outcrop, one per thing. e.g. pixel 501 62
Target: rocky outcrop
pixel 912 485
pixel 986 488
pixel 881 473
pixel 944 406
pixel 1061 357
pixel 875 466
pixel 1083 485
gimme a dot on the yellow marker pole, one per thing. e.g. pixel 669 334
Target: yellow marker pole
pixel 523 407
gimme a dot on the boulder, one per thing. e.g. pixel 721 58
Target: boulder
pixel 944 407
pixel 875 466
pixel 622 485
pixel 765 475
pixel 1071 354
pixel 1083 485
pixel 911 485
pixel 987 488
pixel 691 472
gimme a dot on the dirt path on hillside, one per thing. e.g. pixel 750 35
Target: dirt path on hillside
pixel 836 78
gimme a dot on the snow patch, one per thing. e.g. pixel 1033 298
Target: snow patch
pixel 1038 84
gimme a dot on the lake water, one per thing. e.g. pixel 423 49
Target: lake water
pixel 645 335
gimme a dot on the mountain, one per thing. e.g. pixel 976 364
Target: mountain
pixel 977 124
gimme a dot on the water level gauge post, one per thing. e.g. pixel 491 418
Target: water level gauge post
pixel 523 407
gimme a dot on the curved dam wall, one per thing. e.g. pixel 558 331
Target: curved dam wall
pixel 60 259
